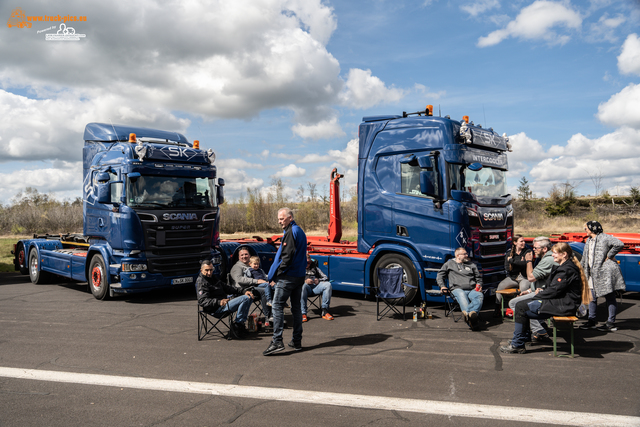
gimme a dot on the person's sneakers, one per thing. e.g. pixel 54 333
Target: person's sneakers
pixel 327 316
pixel 541 337
pixel 295 346
pixel 465 316
pixel 510 349
pixel 273 348
pixel 269 304
pixel 589 324
pixel 608 327
pixel 305 318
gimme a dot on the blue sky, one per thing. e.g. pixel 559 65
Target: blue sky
pixel 278 87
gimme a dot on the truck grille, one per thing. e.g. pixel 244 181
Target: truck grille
pixel 489 250
pixel 177 252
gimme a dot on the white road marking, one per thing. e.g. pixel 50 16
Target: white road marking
pixel 469 410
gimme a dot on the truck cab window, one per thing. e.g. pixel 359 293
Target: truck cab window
pixel 485 182
pixel 170 192
pixel 410 179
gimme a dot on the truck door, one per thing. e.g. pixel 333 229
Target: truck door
pixel 100 218
pixel 419 218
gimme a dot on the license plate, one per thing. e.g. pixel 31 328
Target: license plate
pixel 182 280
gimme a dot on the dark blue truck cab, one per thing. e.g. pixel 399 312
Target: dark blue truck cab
pixel 426 186
pixel 150 211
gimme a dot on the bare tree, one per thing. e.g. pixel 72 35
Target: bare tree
pixel 596 178
pixel 312 191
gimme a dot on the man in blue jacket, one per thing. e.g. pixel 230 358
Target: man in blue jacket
pixel 288 272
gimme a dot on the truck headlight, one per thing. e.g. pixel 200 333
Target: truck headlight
pixel 134 267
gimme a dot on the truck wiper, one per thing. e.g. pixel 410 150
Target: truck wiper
pixel 160 205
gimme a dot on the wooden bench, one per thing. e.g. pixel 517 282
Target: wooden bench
pixel 562 320
pixel 507 294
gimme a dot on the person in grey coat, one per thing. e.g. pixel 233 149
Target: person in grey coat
pixel 603 273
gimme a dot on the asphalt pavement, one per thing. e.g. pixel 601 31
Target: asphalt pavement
pixel 353 371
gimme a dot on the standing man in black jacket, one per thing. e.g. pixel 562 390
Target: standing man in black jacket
pixel 213 298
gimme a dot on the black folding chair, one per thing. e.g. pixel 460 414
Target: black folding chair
pixel 451 305
pixel 391 292
pixel 207 323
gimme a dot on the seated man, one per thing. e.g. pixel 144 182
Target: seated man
pixel 213 298
pixel 465 284
pixel 315 282
pixel 239 280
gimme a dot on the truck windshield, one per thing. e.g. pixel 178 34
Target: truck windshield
pixel 485 182
pixel 171 192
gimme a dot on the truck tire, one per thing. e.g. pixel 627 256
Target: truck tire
pixel 23 262
pixel 36 275
pixel 410 276
pixel 98 278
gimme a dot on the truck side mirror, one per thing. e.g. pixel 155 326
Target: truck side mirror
pixel 102 177
pixel 427 186
pixel 104 192
pixel 220 191
pixel 110 192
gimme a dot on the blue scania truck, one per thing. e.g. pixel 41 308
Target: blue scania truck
pixel 426 185
pixel 150 212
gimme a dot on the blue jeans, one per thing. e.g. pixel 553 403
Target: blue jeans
pixel 612 306
pixel 240 304
pixel 323 288
pixel 536 326
pixel 527 311
pixel 267 290
pixel 262 290
pixel 468 300
pixel 287 286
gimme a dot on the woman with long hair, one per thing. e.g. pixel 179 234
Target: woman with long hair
pixel 567 288
pixel 603 274
pixel 516 267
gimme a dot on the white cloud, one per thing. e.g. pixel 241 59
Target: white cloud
pixel 290 171
pixel 63 180
pixel 239 164
pixel 616 155
pixel 362 90
pixel 324 129
pixel 347 158
pixel 315 158
pixel 537 21
pixel 237 181
pixel 629 59
pixel 476 8
pixel 36 129
pixel 622 109
pixel 604 29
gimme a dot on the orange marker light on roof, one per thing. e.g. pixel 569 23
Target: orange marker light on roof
pixel 196 144
pixel 132 137
pixel 466 119
pixel 429 110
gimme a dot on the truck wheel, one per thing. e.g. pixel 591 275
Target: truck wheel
pixel 36 275
pixel 410 276
pixel 98 278
pixel 22 260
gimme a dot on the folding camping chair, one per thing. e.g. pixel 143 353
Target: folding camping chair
pixel 391 292
pixel 451 305
pixel 207 322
